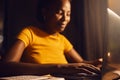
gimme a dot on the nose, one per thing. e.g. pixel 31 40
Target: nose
pixel 65 17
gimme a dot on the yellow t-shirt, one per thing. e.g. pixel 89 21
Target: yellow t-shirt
pixel 44 48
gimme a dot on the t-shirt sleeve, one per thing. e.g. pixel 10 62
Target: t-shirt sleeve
pixel 67 45
pixel 25 36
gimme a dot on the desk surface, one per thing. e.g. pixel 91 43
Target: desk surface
pixel 31 77
pixel 46 77
pixel 110 72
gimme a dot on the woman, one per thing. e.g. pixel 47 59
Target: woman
pixel 42 49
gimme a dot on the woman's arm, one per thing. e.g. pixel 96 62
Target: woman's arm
pixel 15 68
pixel 11 65
pixel 15 52
pixel 73 56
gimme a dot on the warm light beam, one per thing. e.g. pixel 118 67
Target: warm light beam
pixel 112 12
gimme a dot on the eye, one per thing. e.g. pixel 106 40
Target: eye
pixel 59 12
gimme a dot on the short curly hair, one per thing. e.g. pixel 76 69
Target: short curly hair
pixel 44 4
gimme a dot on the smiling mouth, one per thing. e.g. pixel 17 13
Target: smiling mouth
pixel 62 25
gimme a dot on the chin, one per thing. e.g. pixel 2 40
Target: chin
pixel 60 30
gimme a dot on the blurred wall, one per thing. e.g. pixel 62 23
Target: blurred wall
pixel 1 15
pixel 1 20
pixel 18 14
pixel 114 5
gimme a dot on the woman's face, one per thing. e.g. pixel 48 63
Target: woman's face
pixel 58 16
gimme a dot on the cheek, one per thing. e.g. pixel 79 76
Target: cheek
pixel 55 20
pixel 57 17
pixel 62 19
pixel 68 19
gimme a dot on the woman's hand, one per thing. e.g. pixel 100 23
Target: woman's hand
pixel 77 69
pixel 97 62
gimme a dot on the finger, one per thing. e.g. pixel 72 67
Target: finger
pixel 82 65
pixel 92 69
pixel 84 70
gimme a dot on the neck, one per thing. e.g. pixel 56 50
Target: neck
pixel 46 29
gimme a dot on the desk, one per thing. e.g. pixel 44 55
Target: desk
pixel 46 77
pixel 31 77
pixel 109 71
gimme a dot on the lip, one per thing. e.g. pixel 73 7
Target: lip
pixel 62 25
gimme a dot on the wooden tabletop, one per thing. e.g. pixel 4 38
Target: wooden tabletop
pixel 31 77
pixel 111 72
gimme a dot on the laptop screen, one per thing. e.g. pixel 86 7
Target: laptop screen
pixel 111 59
